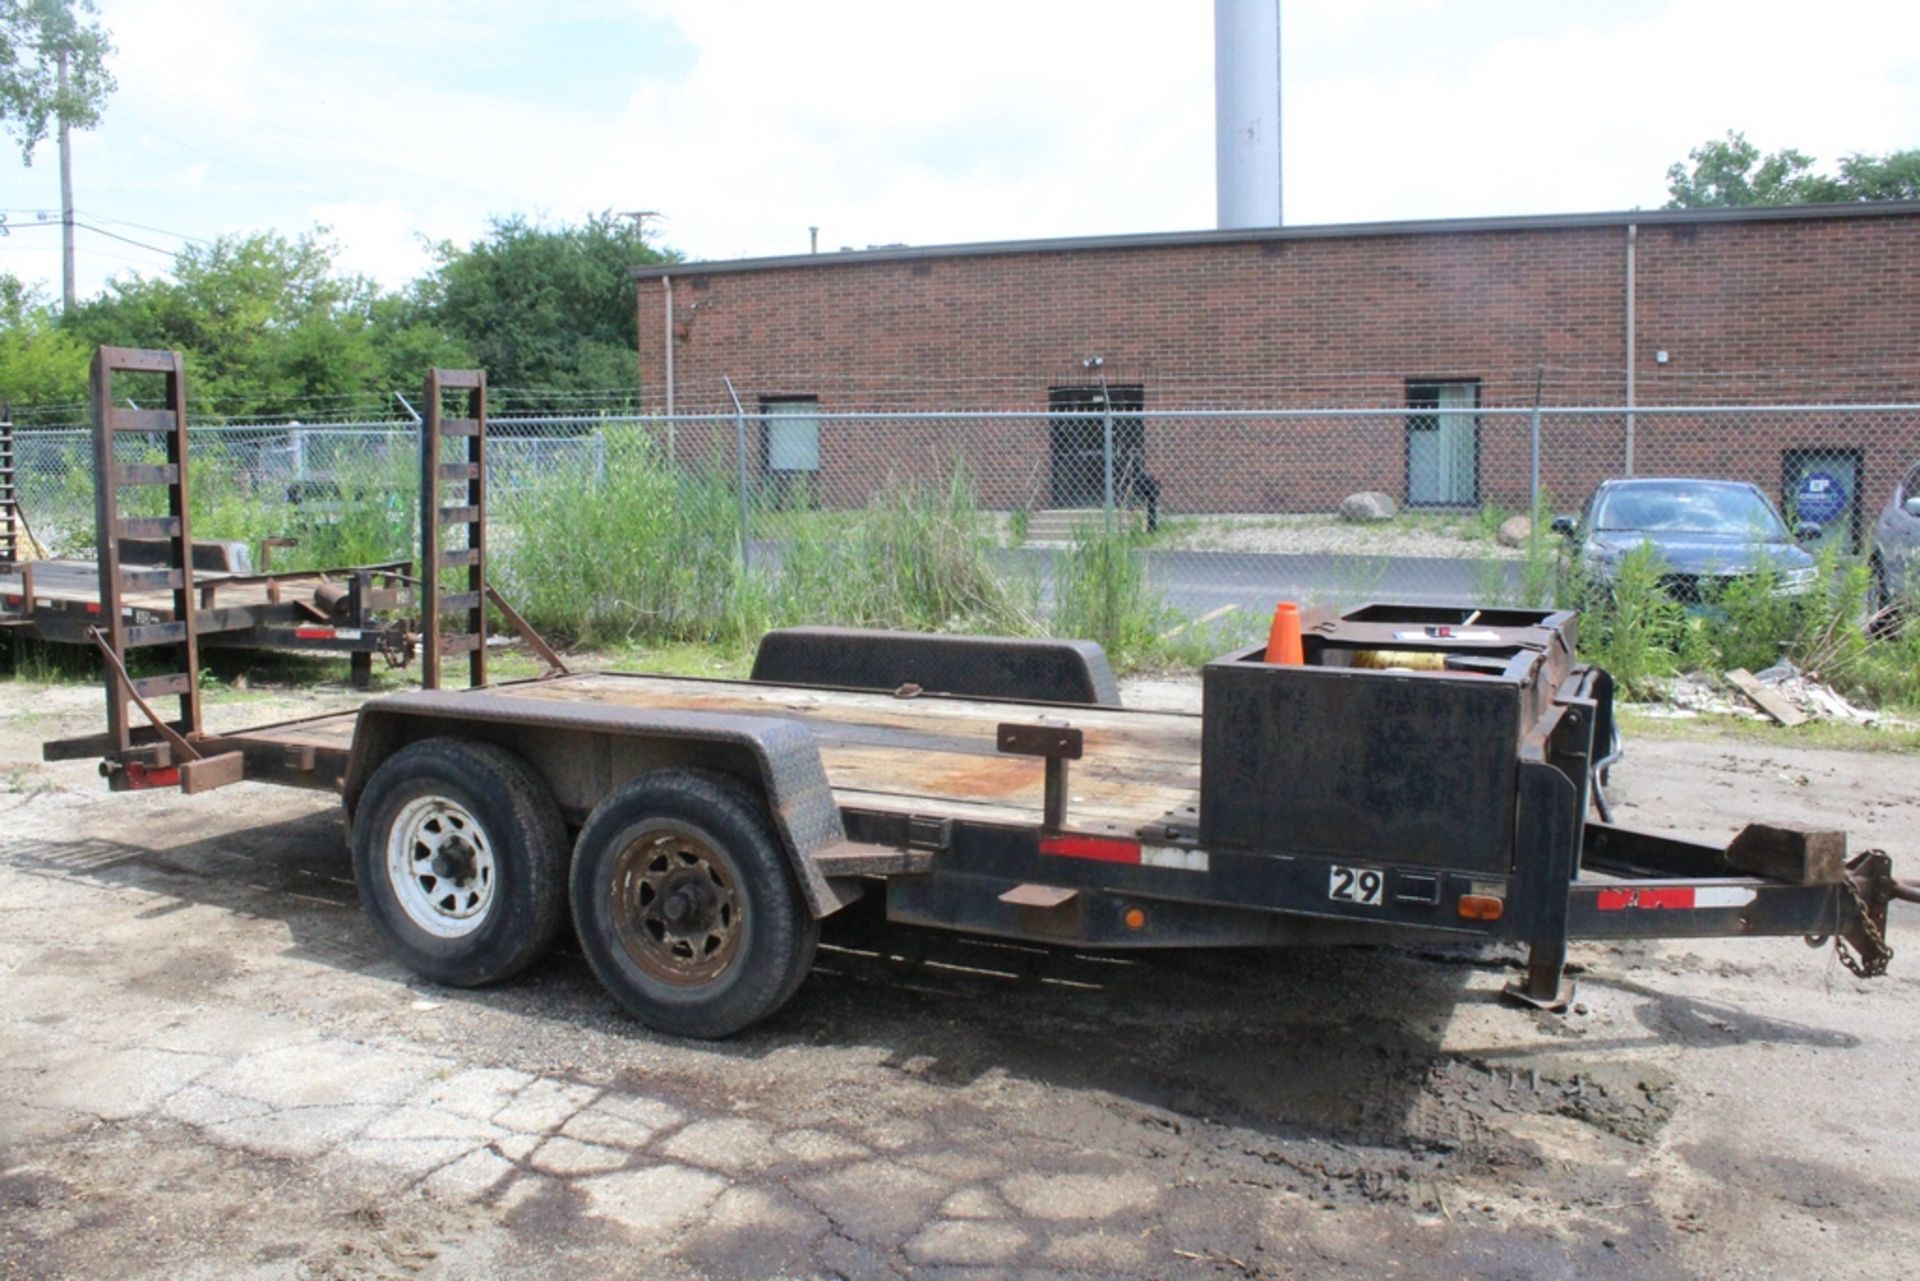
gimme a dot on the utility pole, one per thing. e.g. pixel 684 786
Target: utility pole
pixel 68 297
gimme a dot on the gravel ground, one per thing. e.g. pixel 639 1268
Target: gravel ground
pixel 209 1069
pixel 1327 536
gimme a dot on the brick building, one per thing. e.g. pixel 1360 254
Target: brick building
pixel 1435 323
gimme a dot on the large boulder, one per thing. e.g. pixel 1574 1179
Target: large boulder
pixel 1368 508
pixel 1514 532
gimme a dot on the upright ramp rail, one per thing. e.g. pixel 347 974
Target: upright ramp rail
pixel 121 434
pixel 15 606
pixel 453 537
pixel 9 493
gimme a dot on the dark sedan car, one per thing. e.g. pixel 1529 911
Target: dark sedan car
pixel 1704 532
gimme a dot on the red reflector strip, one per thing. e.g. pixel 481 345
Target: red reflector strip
pixel 1100 849
pixel 313 633
pixel 1620 900
pixel 139 776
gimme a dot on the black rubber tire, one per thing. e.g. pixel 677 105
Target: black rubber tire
pixel 512 804
pixel 776 932
pixel 1883 620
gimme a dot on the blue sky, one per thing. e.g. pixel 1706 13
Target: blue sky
pixel 744 122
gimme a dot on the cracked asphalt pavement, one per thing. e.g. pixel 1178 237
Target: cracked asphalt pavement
pixel 208 1068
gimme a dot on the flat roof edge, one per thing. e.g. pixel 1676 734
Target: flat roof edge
pixel 1319 231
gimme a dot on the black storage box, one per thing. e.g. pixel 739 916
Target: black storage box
pixel 1343 761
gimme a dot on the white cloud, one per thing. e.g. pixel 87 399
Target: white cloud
pixel 384 240
pixel 1590 117
pixel 883 121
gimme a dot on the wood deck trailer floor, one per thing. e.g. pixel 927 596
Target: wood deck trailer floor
pixel 77 582
pixel 924 755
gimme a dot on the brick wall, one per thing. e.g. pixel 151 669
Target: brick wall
pixel 1817 309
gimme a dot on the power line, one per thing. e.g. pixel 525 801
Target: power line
pixel 127 222
pixel 114 235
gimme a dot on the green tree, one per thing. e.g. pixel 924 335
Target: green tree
pixel 544 307
pixel 1731 171
pixel 40 363
pixel 1894 176
pixel 33 33
pixel 269 323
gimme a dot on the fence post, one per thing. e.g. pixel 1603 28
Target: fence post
pixel 1533 482
pixel 1106 449
pixel 740 449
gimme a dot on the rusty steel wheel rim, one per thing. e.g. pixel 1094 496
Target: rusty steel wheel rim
pixel 676 906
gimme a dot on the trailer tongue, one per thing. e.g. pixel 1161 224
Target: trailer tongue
pixel 1425 772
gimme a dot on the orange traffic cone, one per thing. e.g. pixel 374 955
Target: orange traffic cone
pixel 1283 642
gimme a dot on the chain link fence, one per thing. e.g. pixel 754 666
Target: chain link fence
pixel 1162 533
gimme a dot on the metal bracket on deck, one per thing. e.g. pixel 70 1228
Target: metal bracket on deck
pixel 1057 744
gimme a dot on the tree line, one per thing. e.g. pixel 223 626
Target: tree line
pixel 270 322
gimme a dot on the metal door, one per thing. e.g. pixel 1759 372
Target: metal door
pixel 1443 445
pixel 1077 474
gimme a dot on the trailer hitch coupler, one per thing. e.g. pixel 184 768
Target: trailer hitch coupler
pixel 1862 941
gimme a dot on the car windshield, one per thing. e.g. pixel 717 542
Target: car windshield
pixel 1683 508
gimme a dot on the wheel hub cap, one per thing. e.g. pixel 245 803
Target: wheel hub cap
pixel 676 907
pixel 440 865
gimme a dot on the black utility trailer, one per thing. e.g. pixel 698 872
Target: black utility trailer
pixel 1426 773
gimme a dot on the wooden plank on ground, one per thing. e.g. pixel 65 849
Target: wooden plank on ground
pixel 1770 701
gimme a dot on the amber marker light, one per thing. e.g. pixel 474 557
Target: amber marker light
pixel 1136 919
pixel 1481 907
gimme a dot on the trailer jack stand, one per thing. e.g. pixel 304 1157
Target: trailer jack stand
pixel 1546 986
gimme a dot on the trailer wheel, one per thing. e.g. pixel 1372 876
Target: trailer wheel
pixel 686 907
pixel 460 856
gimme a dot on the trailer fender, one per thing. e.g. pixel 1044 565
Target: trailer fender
pixel 585 750
pixel 1021 668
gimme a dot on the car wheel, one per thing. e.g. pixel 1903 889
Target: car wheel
pixel 460 856
pixel 686 906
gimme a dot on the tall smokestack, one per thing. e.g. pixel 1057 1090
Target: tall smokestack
pixel 1246 111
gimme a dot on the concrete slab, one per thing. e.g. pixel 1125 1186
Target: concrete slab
pixel 653 1199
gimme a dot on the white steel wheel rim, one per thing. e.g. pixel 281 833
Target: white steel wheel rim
pixel 440 864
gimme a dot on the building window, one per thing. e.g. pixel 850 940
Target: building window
pixel 1077 436
pixel 790 448
pixel 1443 443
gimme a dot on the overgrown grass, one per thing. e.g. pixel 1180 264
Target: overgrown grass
pixel 1640 634
pixel 642 551
pixel 1487 523
pixel 44 663
pixel 652 553
pixel 1836 735
pixel 1632 627
pixel 919 557
pixel 366 512
pixel 1101 593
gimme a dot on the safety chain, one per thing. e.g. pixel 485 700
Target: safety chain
pixel 1874 957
